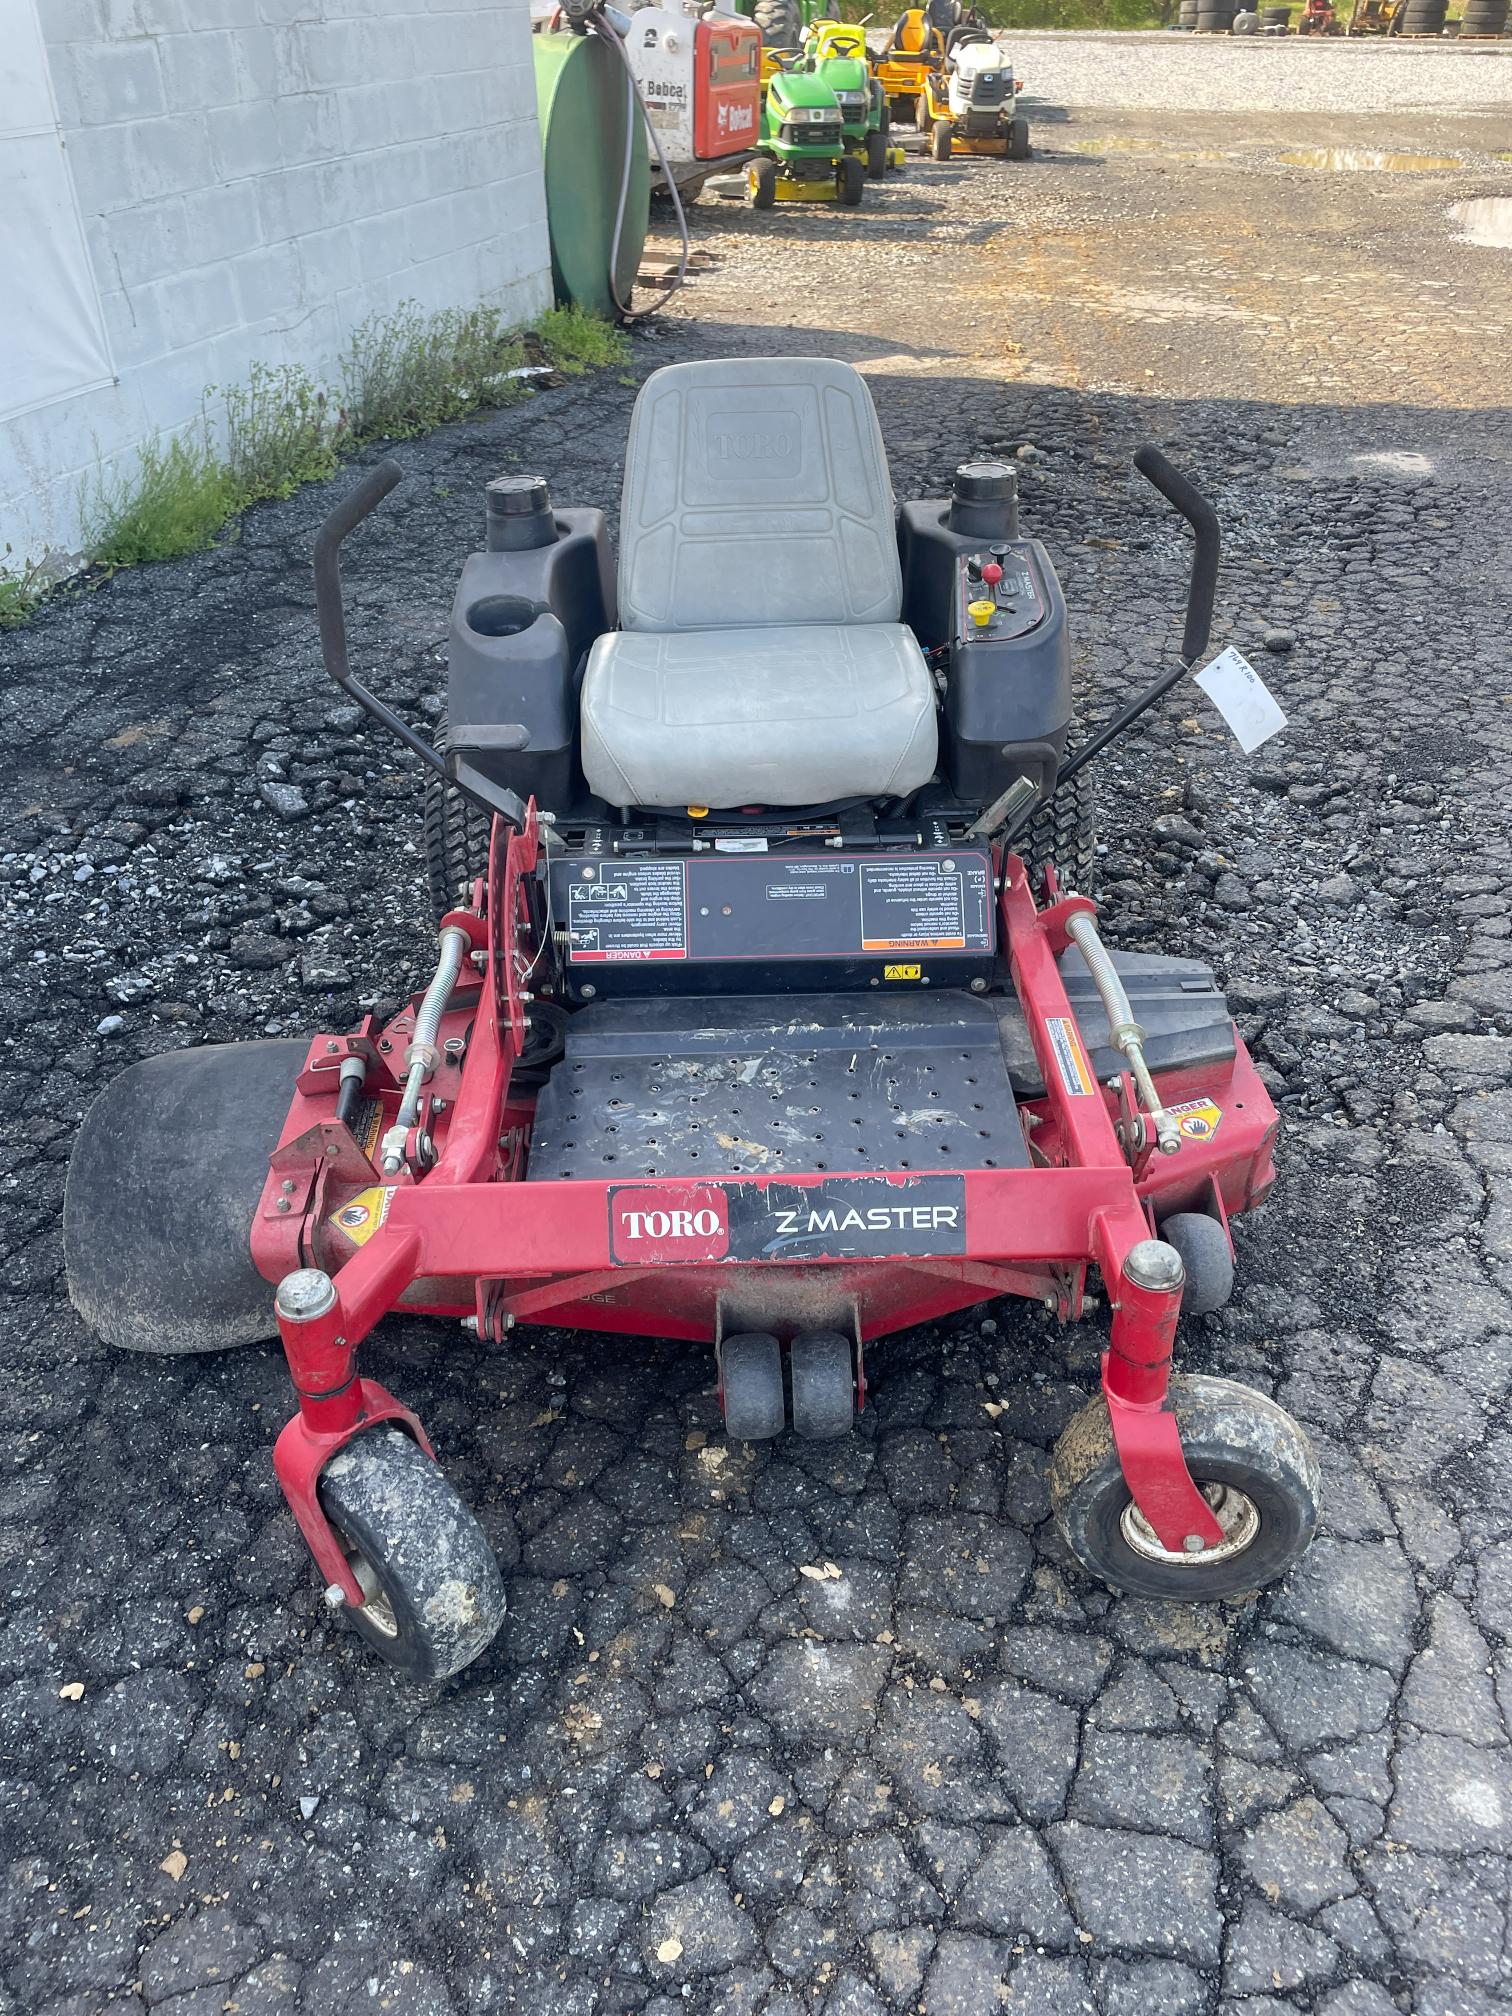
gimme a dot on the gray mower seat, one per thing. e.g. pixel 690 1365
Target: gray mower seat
pixel 762 661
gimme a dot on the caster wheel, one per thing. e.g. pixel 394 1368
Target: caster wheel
pixel 1205 1256
pixel 823 1375
pixel 750 1382
pixel 1249 1459
pixel 433 1597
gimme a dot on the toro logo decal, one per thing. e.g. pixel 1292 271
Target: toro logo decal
pixel 848 1217
pixel 670 1222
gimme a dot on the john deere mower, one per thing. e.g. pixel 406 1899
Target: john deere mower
pixel 766 1016
pixel 971 105
pixel 836 52
pixel 801 152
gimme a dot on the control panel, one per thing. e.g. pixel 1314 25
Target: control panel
pixel 998 594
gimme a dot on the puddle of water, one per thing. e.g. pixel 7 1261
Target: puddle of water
pixel 1485 220
pixel 1354 159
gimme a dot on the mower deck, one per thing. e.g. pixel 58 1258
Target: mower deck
pixel 756 1086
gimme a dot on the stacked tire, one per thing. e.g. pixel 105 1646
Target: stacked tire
pixel 1424 17
pixel 1484 17
pixel 1275 17
pixel 1215 17
pixel 1186 17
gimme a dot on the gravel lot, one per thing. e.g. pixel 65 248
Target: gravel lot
pixel 957 1777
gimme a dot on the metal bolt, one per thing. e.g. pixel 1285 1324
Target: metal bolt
pixel 333 1147
pixel 1154 1265
pixel 979 985
pixel 332 1047
pixel 287 1185
pixel 282 1204
pixel 335 1596
pixel 384 1043
pixel 589 992
pixel 304 1295
pixel 470 1324
pixel 1194 1543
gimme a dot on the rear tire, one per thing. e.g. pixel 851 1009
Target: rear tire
pixel 941 135
pixel 457 837
pixel 1242 1450
pixel 434 1597
pixel 763 183
pixel 876 155
pixel 852 180
pixel 780 22
pixel 1063 832
pixel 1018 139
pixel 921 118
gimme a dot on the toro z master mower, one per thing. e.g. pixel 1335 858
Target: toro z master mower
pixel 761 1018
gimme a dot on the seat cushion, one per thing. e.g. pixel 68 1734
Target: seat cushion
pixel 779 716
pixel 756 491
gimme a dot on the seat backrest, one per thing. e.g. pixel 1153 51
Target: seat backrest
pixel 756 492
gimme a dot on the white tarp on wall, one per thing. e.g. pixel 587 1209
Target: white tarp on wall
pixel 52 337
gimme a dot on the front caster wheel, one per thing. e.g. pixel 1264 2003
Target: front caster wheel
pixel 1207 1260
pixel 433 1597
pixel 822 1373
pixel 750 1386
pixel 1249 1459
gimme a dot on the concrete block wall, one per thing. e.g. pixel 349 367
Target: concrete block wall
pixel 258 176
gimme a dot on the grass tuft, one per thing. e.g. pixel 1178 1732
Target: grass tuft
pixel 404 373
pixel 280 433
pixel 175 501
pixel 577 341
pixel 22 591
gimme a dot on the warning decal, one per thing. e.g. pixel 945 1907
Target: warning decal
pixel 635 910
pixel 1198 1119
pixel 1070 1057
pixel 359 1219
pixel 913 904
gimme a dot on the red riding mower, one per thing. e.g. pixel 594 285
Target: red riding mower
pixel 761 1017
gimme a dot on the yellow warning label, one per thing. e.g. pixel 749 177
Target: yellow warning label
pixel 1070 1058
pixel 914 972
pixel 360 1219
pixel 1198 1119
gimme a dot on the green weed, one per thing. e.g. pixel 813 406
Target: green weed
pixel 22 591
pixel 280 432
pixel 576 341
pixel 404 373
pixel 175 501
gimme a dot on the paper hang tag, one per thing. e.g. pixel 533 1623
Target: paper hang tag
pixel 1242 698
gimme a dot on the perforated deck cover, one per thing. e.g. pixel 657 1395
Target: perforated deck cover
pixel 766 1086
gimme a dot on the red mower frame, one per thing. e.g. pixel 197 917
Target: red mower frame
pixel 457 1232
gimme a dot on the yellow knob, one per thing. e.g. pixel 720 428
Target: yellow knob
pixel 980 613
pixel 698 811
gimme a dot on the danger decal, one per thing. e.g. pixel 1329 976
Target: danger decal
pixel 1198 1119
pixel 362 1215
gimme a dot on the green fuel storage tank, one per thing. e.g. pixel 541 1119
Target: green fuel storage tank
pixel 582 96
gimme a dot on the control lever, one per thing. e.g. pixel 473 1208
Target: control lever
pixel 1125 1032
pixel 330 613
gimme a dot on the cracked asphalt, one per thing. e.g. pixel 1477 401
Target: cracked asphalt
pixel 828 1730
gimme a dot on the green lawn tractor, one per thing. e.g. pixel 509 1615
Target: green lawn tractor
pixel 801 154
pixel 837 52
